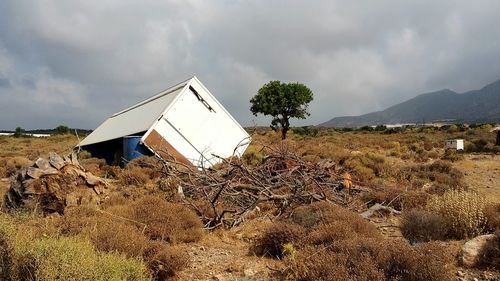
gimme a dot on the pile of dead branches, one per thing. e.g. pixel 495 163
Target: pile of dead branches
pixel 233 189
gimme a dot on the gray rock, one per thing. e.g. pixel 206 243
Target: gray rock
pixel 56 161
pixel 36 173
pixel 42 164
pixel 473 248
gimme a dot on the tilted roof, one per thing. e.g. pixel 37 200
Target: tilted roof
pixel 135 119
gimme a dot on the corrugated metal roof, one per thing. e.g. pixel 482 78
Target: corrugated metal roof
pixel 135 119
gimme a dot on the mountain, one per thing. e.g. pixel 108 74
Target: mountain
pixel 471 107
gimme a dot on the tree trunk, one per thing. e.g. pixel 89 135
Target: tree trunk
pixel 284 128
pixel 283 133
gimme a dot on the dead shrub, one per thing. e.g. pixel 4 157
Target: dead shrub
pixel 320 223
pixel 329 233
pixel 167 221
pixel 150 165
pixel 15 163
pixel 114 234
pixel 426 261
pixel 170 189
pixel 275 237
pixel 319 263
pixel 117 236
pixel 361 172
pixel 422 226
pixel 107 233
pixel 440 174
pixel 325 213
pixel 462 211
pixel 93 165
pixel 76 220
pixel 164 260
pixel 134 176
pixel 492 214
pixel 396 198
pixel 370 259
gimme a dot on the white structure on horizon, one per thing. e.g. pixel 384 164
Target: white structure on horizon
pixel 457 144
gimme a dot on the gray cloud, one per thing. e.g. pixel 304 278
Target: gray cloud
pixel 77 62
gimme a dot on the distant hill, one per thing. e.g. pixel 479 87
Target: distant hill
pixel 471 107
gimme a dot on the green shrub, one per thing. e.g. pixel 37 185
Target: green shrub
pixel 117 267
pixel 452 155
pixel 84 154
pixel 69 258
pixel 254 155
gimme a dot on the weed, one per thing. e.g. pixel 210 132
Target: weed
pixel 462 211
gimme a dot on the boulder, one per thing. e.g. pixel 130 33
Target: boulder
pixel 473 248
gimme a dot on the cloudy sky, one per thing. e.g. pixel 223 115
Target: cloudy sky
pixel 77 62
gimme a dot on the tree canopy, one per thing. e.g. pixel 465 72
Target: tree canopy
pixel 61 130
pixel 19 132
pixel 282 101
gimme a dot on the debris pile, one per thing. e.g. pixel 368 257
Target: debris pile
pixel 232 190
pixel 50 185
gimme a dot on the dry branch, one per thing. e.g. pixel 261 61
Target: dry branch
pixel 232 189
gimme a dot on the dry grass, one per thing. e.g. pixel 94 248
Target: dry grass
pixel 112 234
pixel 164 260
pixel 397 198
pixel 370 259
pixel 134 176
pixel 275 237
pixel 318 242
pixel 316 224
pixel 336 244
pixel 492 214
pixel 462 211
pixel 28 255
pixel 422 226
pixel 167 221
pixel 9 166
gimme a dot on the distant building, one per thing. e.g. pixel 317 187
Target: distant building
pixel 457 144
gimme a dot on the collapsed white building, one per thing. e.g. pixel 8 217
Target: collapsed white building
pixel 185 121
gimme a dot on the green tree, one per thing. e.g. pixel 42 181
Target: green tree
pixel 282 101
pixel 19 132
pixel 61 130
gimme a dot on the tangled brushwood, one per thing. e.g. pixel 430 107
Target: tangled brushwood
pixel 232 190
